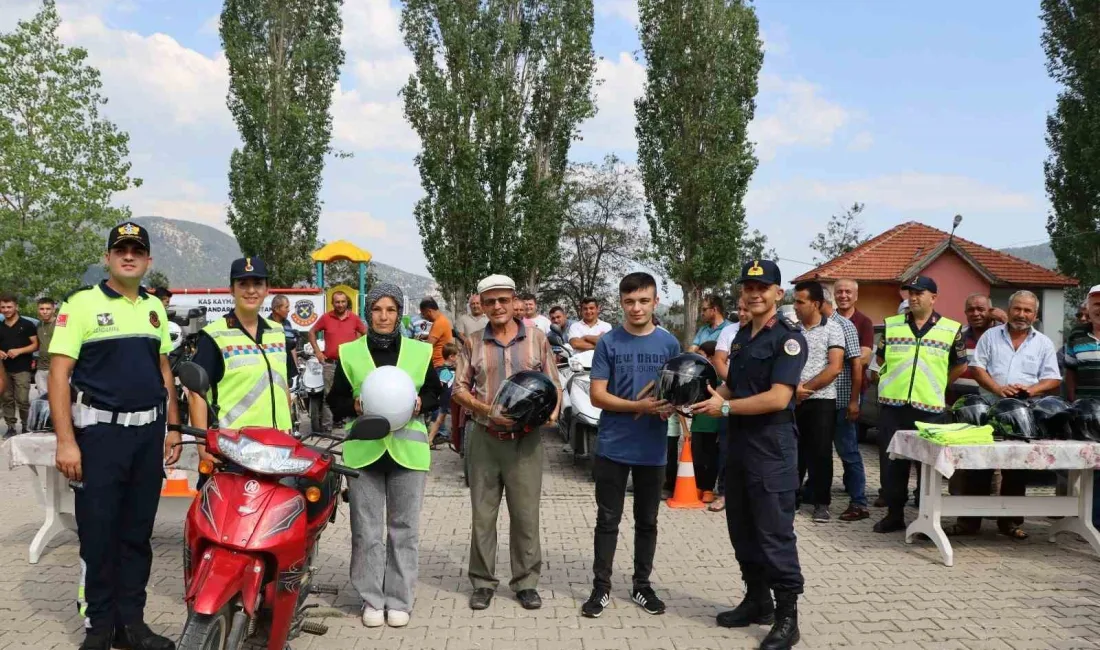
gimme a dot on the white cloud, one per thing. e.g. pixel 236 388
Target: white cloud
pixel 622 9
pixel 385 77
pixel 361 124
pixel 924 192
pixel 371 27
pixel 799 115
pixel 622 80
pixel 212 26
pixel 176 199
pixel 862 141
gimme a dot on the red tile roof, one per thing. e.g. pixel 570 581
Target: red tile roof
pixel 901 252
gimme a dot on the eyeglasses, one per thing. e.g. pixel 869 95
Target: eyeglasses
pixel 503 301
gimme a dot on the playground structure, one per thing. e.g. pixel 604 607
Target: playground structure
pixel 342 250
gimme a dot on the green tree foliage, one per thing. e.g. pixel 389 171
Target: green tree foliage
pixel 499 89
pixel 843 234
pixel 693 150
pixel 284 59
pixel 156 279
pixel 60 162
pixel 1071 40
pixel 601 235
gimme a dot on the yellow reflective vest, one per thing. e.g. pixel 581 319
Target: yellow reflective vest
pixel 915 371
pixel 253 390
pixel 407 446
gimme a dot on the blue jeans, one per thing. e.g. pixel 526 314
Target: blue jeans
pixel 847 447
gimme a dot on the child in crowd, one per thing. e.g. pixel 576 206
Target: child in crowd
pixel 438 431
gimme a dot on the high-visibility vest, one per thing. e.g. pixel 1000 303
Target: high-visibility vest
pixel 407 446
pixel 253 391
pixel 916 369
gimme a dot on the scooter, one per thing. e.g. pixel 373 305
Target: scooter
pixel 252 533
pixel 308 391
pixel 579 421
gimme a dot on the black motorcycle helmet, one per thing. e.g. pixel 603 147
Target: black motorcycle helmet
pixel 527 398
pixel 1085 419
pixel 1053 418
pixel 684 378
pixel 1011 419
pixel 971 409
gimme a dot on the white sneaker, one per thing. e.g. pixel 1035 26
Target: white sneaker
pixel 397 619
pixel 373 617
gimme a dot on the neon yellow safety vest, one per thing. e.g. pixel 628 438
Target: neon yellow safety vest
pixel 407 446
pixel 916 369
pixel 253 390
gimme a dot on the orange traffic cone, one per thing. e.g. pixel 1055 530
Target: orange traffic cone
pixel 177 486
pixel 685 494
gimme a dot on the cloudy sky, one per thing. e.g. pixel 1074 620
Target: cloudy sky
pixel 920 110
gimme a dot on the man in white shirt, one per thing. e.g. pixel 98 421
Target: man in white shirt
pixel 725 339
pixel 1010 360
pixel 584 334
pixel 532 313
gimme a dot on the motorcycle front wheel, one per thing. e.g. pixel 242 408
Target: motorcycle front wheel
pixel 206 631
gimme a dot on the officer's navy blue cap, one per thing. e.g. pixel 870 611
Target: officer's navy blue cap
pixel 764 271
pixel 248 267
pixel 921 283
pixel 128 232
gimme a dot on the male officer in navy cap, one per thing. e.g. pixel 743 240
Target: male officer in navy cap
pixel 765 364
pixel 111 394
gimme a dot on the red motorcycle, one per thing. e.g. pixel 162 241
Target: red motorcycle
pixel 253 530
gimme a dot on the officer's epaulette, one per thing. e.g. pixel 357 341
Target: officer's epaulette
pixel 76 291
pixel 788 324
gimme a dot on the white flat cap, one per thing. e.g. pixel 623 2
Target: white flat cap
pixel 1095 289
pixel 496 281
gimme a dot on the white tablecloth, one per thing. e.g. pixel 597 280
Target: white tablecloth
pixel 1041 455
pixel 38 449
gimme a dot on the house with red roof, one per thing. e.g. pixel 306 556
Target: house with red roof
pixel 960 268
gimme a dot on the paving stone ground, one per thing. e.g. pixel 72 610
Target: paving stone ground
pixel 862 589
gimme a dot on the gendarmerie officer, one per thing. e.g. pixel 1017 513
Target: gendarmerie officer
pixel 110 389
pixel 765 363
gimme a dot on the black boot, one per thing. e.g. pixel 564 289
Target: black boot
pixel 97 639
pixel 756 609
pixel 784 633
pixel 140 637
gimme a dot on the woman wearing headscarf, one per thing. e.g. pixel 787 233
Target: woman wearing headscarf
pixel 387 497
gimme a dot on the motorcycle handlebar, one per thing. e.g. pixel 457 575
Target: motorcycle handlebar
pixel 344 471
pixel 192 431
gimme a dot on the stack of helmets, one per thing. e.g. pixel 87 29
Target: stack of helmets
pixel 1085 419
pixel 972 409
pixel 1012 419
pixel 1053 418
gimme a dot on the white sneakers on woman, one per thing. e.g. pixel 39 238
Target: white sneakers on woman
pixel 373 617
pixel 397 619
pixel 378 618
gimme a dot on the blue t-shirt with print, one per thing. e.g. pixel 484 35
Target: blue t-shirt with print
pixel 628 363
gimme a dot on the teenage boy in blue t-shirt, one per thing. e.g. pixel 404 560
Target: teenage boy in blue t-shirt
pixel 631 439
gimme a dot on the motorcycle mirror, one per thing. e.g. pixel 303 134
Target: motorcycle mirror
pixel 194 378
pixel 369 427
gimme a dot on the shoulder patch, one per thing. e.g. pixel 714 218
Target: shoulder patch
pixel 792 347
pixel 76 291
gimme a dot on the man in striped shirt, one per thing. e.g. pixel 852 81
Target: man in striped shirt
pixel 1082 359
pixel 498 461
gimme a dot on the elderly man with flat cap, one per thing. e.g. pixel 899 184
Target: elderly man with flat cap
pixel 502 462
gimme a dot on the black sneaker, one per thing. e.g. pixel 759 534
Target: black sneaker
pixel 597 602
pixel 821 514
pixel 648 600
pixel 140 637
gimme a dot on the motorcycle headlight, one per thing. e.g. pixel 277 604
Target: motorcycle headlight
pixel 261 458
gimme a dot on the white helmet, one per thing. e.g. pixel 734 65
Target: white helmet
pixel 389 392
pixel 175 333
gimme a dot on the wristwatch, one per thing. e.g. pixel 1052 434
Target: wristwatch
pixel 175 428
pixel 725 408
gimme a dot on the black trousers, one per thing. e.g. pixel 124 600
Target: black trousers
pixel 895 473
pixel 672 463
pixel 979 482
pixel 760 510
pixel 610 499
pixel 123 471
pixel 816 420
pixel 705 458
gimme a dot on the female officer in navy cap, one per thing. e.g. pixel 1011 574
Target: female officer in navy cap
pixel 765 363
pixel 246 358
